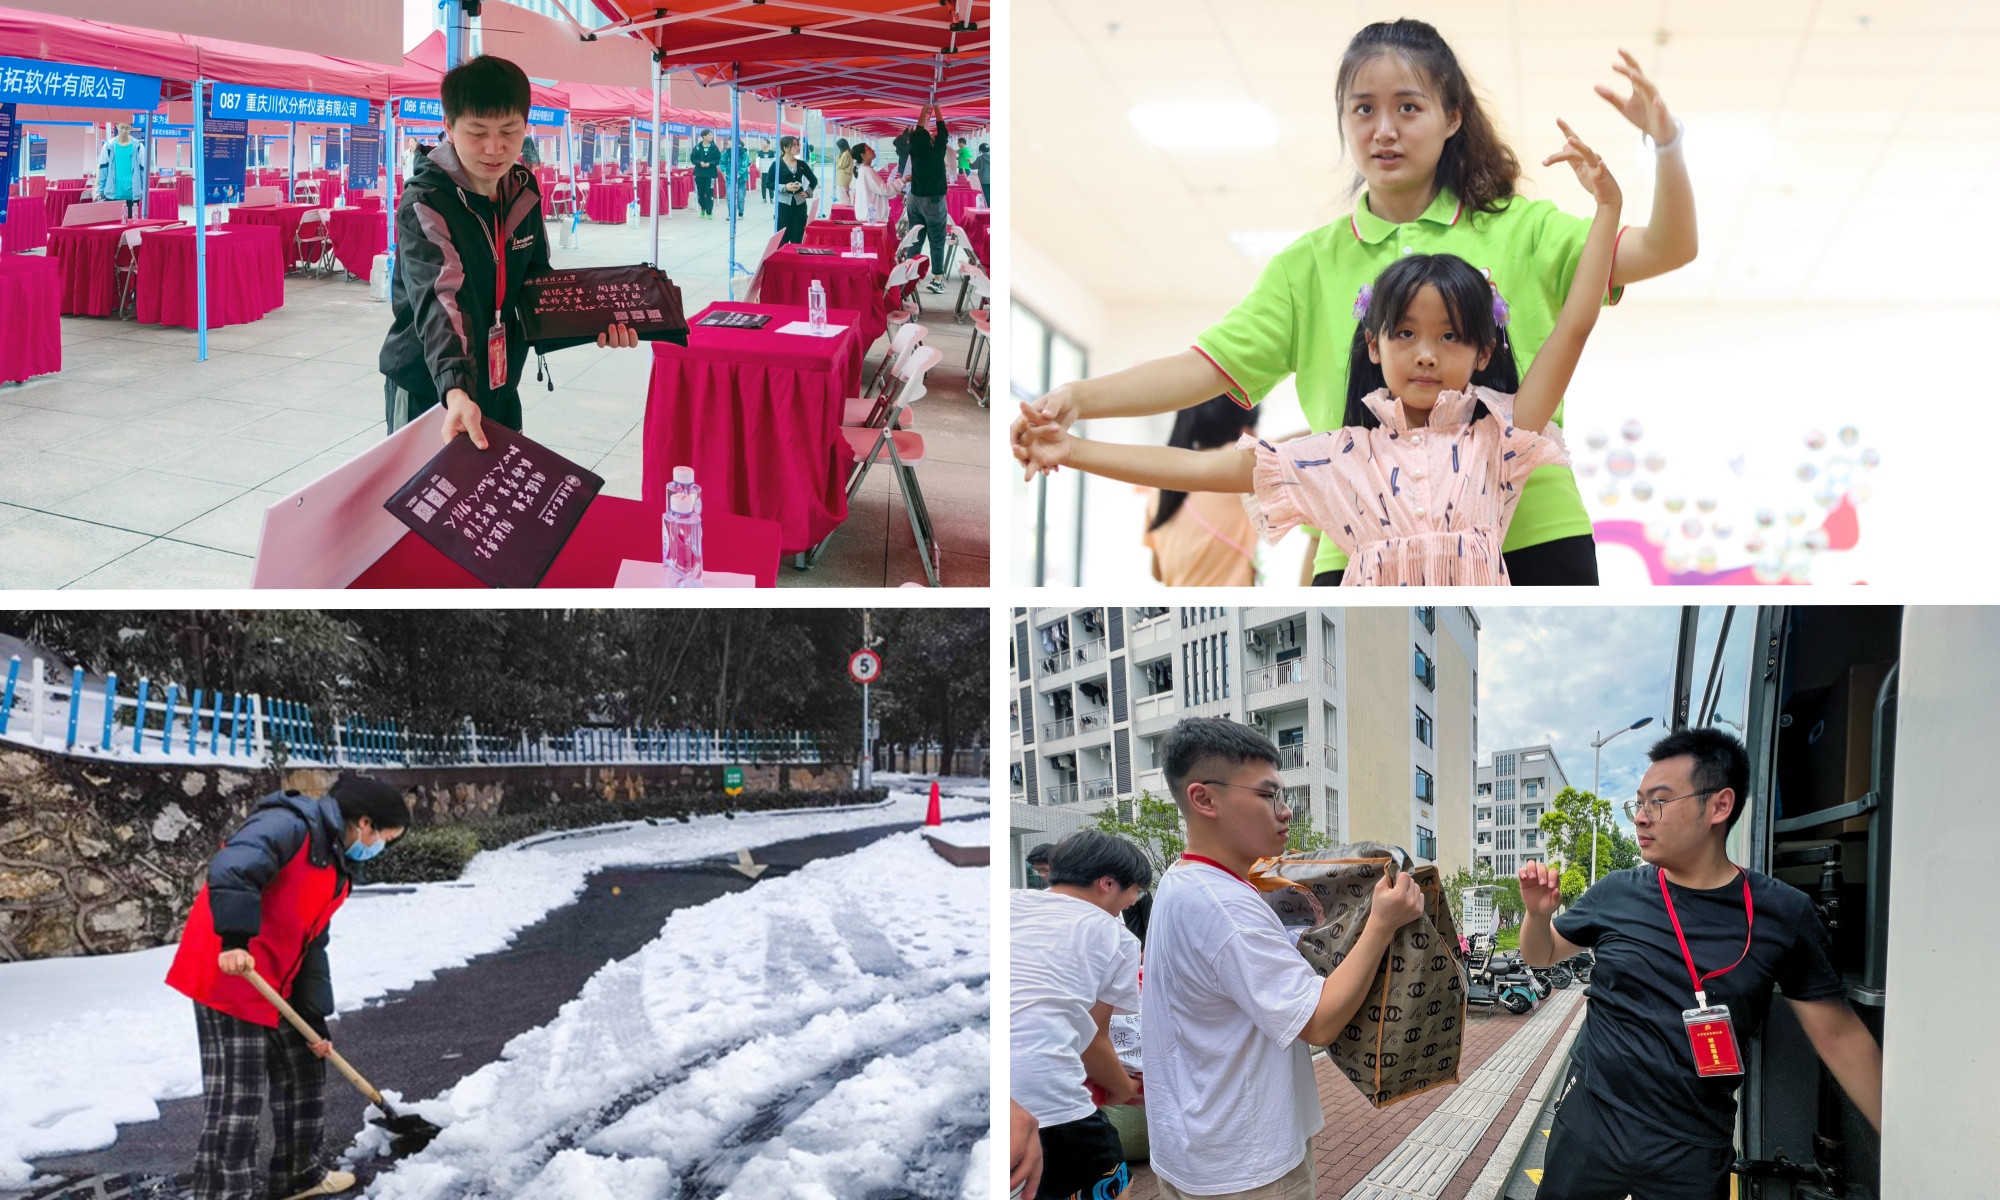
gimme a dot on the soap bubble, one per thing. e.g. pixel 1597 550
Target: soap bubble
pixel 1754 544
pixel 1642 491
pixel 1675 561
pixel 1597 439
pixel 1806 472
pixel 1632 431
pixel 1862 493
pixel 1795 516
pixel 1826 497
pixel 1839 469
pixel 1816 540
pixel 1705 558
pixel 1656 462
pixel 1871 458
pixel 1705 504
pixel 1674 503
pixel 1691 528
pixel 1723 530
pixel 1815 440
pixel 1849 435
pixel 1586 470
pixel 1609 496
pixel 1620 463
pixel 1766 517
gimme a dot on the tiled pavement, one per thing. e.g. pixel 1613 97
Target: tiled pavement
pixel 136 466
pixel 1358 1138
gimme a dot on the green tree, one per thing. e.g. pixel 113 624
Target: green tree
pixel 1567 827
pixel 1155 826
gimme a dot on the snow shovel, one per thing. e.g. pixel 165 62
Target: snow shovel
pixel 411 1132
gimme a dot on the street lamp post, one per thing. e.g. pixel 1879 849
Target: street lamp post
pixel 1596 761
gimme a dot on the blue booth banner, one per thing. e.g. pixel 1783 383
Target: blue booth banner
pixel 418 108
pixel 168 131
pixel 27 81
pixel 537 115
pixel 231 100
pixel 224 147
pixel 678 129
pixel 364 158
pixel 10 134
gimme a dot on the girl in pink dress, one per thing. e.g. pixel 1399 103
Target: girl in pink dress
pixel 1418 484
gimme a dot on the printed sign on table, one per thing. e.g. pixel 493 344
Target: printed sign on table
pixel 502 513
pixel 225 146
pixel 10 133
pixel 364 158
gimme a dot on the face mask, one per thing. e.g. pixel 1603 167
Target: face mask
pixel 361 851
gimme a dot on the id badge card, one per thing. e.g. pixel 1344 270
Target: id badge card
pixel 496 355
pixel 1713 1040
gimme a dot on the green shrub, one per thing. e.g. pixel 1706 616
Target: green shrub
pixel 424 854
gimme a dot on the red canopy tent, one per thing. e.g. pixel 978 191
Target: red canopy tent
pixel 422 72
pixel 699 32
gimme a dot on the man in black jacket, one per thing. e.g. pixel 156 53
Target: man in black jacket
pixel 927 150
pixel 707 159
pixel 469 210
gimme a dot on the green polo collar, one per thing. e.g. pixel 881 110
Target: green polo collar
pixel 1445 209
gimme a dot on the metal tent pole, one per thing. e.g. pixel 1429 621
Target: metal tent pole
pixel 653 196
pixel 733 190
pixel 292 163
pixel 200 229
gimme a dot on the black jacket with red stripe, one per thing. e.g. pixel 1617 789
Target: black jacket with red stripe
pixel 442 292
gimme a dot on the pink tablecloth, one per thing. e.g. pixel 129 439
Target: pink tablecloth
pixel 840 234
pixel 246 276
pixel 30 324
pixel 58 201
pixel 358 236
pixel 978 226
pixel 612 530
pixel 163 204
pixel 84 256
pixel 851 283
pixel 757 414
pixel 958 198
pixel 27 226
pixel 284 218
pixel 184 190
pixel 608 201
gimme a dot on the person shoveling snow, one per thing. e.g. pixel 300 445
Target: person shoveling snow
pixel 264 911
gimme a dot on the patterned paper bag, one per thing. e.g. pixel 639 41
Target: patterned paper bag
pixel 1409 1032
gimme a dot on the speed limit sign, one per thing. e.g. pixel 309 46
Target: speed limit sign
pixel 865 666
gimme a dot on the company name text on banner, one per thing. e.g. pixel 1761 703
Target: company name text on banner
pixel 231 100
pixel 28 81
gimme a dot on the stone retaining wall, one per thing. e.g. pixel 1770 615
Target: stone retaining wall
pixel 101 858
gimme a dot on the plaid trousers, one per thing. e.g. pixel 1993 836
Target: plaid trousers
pixel 240 1064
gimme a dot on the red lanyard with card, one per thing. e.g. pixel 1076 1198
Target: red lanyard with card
pixel 496 338
pixel 1710 1034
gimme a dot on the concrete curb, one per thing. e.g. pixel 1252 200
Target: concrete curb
pixel 1500 1168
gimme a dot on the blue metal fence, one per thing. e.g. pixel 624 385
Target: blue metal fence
pixel 206 726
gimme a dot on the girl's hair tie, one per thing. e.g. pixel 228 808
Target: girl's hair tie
pixel 1362 300
pixel 1499 307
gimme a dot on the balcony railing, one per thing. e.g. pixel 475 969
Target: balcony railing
pixel 1154 781
pixel 1096 718
pixel 1099 789
pixel 1061 727
pixel 1060 793
pixel 1328 673
pixel 1056 660
pixel 1331 755
pixel 1297 798
pixel 1291 758
pixel 1092 651
pixel 1277 675
pixel 1160 704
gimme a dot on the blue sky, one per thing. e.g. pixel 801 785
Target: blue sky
pixel 1562 675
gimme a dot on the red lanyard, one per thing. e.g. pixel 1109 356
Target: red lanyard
pixel 1749 922
pixel 499 269
pixel 1201 858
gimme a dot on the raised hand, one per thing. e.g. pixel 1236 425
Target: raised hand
pixel 1041 444
pixel 1590 169
pixel 1052 413
pixel 1541 889
pixel 1643 107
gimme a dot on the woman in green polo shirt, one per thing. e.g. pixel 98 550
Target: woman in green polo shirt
pixel 1438 180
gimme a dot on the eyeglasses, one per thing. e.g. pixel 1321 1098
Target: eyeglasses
pixel 1273 797
pixel 1652 807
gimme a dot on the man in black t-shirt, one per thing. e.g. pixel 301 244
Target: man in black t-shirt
pixel 1635 1117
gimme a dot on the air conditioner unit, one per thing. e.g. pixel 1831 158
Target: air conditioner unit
pixel 1254 640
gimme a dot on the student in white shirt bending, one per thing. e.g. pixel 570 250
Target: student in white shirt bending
pixel 1231 1010
pixel 1075 964
pixel 871 195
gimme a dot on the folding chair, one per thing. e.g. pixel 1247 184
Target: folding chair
pixel 981 350
pixel 125 266
pixel 315 240
pixel 871 407
pixel 965 287
pixel 756 288
pixel 905 452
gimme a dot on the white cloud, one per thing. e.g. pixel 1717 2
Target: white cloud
pixel 1566 675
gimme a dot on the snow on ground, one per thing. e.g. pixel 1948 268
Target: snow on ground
pixel 91 1043
pixel 970 787
pixel 823 1035
pixel 964 833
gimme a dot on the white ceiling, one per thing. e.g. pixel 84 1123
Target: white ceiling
pixel 1841 150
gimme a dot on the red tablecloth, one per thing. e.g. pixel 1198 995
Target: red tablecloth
pixel 608 201
pixel 851 283
pixel 680 186
pixel 879 238
pixel 840 212
pixel 358 236
pixel 284 218
pixel 85 254
pixel 612 530
pixel 30 324
pixel 757 414
pixel 163 204
pixel 365 203
pixel 58 201
pixel 27 226
pixel 184 190
pixel 958 198
pixel 978 226
pixel 246 276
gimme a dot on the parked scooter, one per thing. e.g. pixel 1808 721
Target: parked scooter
pixel 1486 985
pixel 1581 965
pixel 1509 962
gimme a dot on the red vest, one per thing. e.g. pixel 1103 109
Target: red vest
pixel 298 903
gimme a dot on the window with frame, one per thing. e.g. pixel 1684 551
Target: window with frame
pixel 1503 764
pixel 1426 670
pixel 1486 789
pixel 1486 812
pixel 1506 814
pixel 1426 733
pixel 1505 866
pixel 1429 617
pixel 1043 358
pixel 1427 844
pixel 1532 789
pixel 1503 790
pixel 1426 786
pixel 1504 840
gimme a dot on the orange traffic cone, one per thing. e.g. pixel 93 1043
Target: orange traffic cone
pixel 934 816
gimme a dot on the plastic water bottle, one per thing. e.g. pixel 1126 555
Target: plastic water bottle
pixel 816 308
pixel 681 542
pixel 856 242
pixel 684 482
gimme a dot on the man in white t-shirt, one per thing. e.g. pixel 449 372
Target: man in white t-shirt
pixel 1074 965
pixel 1231 1010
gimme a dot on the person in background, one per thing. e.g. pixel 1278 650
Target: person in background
pixel 531 154
pixel 984 165
pixel 121 171
pixel 411 151
pixel 767 173
pixel 843 173
pixel 707 160
pixel 1038 860
pixel 796 184
pixel 739 184
pixel 267 904
pixel 871 194
pixel 1204 539
pixel 964 157
pixel 1075 966
pixel 902 145
pixel 926 207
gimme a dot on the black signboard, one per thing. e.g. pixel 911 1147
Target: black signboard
pixel 502 513
pixel 225 144
pixel 364 159
pixel 571 307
